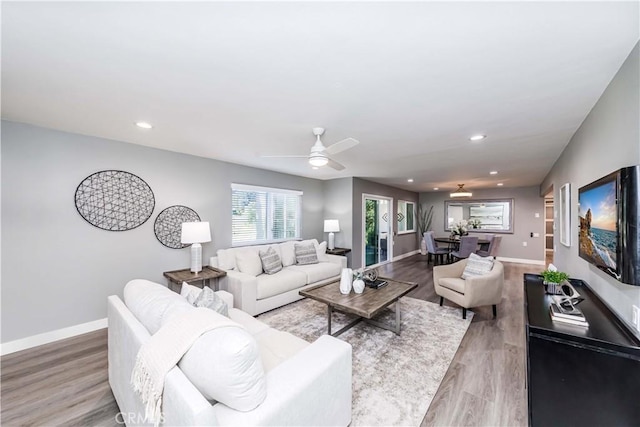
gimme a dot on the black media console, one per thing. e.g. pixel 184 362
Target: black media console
pixel 576 375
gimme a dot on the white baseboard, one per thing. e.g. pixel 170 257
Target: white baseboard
pixel 407 255
pixel 48 337
pixel 521 260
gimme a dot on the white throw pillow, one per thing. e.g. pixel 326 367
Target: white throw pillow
pixel 248 261
pixel 287 253
pixel 321 249
pixel 477 266
pixel 227 259
pixel 224 365
pixel 190 292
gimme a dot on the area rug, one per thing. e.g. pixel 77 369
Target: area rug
pixel 394 377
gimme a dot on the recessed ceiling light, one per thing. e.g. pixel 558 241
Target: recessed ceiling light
pixel 436 188
pixel 144 125
pixel 499 184
pixel 493 173
pixel 477 137
pixel 410 180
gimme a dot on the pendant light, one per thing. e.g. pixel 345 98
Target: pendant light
pixel 460 192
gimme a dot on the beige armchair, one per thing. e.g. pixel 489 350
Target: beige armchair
pixel 472 292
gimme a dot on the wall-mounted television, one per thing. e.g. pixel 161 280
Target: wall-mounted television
pixel 608 214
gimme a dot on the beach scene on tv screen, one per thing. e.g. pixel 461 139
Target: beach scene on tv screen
pixel 598 219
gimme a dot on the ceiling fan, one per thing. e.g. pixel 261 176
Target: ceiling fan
pixel 319 155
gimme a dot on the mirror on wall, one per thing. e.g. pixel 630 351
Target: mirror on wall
pixel 495 216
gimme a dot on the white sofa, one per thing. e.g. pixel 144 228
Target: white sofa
pixel 305 384
pixel 256 292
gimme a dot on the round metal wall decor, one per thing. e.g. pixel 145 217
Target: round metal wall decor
pixel 114 200
pixel 168 225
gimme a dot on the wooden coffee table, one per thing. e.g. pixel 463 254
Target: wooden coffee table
pixel 366 305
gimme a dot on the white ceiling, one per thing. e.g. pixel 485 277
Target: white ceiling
pixel 411 81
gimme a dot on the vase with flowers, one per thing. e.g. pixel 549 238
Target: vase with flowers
pixel 459 229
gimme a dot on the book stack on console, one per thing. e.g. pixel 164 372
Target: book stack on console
pixel 564 310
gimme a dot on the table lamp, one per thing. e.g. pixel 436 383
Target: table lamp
pixel 331 226
pixel 195 233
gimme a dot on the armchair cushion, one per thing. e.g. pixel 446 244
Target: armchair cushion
pixel 477 266
pixel 453 283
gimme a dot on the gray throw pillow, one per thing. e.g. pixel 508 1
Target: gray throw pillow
pixel 209 299
pixel 306 253
pixel 477 266
pixel 271 262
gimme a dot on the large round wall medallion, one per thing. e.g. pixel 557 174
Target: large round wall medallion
pixel 114 200
pixel 168 225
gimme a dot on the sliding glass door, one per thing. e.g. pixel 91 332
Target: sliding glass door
pixel 377 231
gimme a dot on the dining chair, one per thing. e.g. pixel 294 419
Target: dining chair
pixel 468 245
pixel 494 243
pixel 433 249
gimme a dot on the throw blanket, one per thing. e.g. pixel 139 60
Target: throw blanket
pixel 164 350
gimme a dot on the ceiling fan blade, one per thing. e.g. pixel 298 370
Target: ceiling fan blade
pixel 286 156
pixel 335 165
pixel 340 146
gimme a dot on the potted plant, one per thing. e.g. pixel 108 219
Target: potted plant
pixel 553 279
pixel 424 217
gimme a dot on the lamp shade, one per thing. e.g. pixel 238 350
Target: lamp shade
pixel 331 225
pixel 195 232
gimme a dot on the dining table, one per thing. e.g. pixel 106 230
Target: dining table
pixel 454 243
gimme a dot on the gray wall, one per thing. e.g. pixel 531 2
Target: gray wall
pixel 337 205
pixel 403 243
pixel 527 202
pixel 608 139
pixel 57 269
pixel 338 196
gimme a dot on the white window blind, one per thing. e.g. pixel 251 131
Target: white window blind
pixel 262 215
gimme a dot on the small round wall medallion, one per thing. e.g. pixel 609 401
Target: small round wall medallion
pixel 168 225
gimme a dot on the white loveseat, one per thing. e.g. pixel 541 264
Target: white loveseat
pixel 301 383
pixel 256 292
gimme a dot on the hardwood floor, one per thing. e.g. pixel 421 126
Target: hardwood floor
pixel 65 383
pixel 485 383
pixel 62 383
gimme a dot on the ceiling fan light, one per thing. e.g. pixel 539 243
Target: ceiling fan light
pixel 460 192
pixel 318 160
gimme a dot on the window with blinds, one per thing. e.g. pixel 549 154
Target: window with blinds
pixel 264 215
